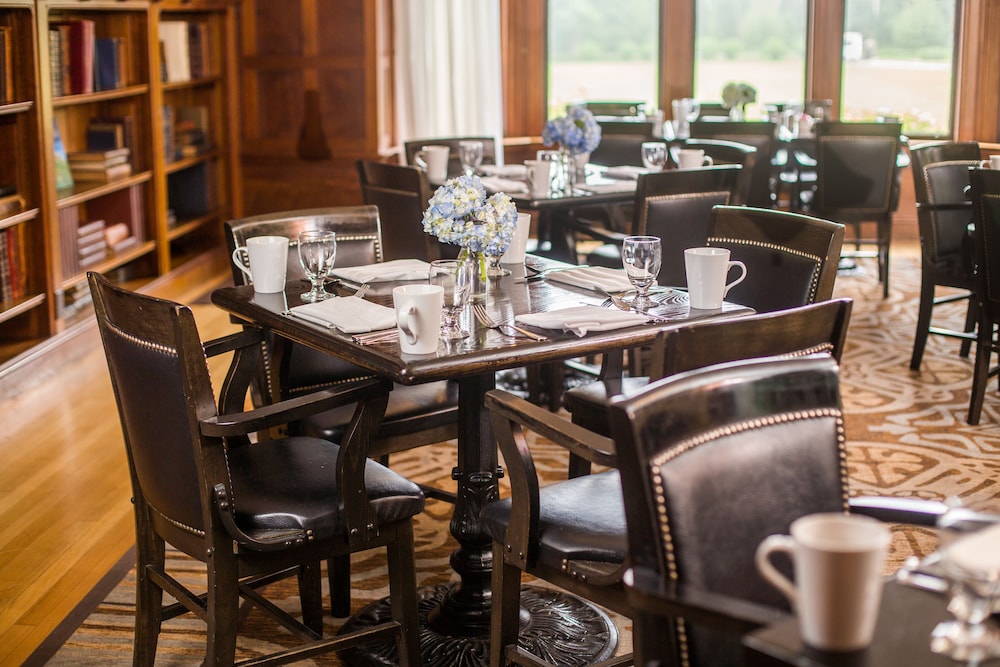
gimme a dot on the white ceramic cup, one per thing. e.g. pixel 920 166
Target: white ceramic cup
pixel 433 160
pixel 992 163
pixel 693 158
pixel 265 260
pixel 838 563
pixel 519 240
pixel 418 316
pixel 707 269
pixel 539 176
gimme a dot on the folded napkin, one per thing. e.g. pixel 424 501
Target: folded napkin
pixel 626 171
pixel 497 184
pixel 614 186
pixel 504 170
pixel 581 319
pixel 348 314
pixel 397 269
pixel 599 278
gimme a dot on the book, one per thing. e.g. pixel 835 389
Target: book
pixel 11 204
pixel 107 67
pixel 191 130
pixel 81 54
pixel 110 133
pixel 169 147
pixel 108 157
pixel 176 54
pixel 6 285
pixel 64 177
pixel 69 222
pixel 198 52
pixel 6 65
pixel 189 193
pixel 104 175
pixel 56 62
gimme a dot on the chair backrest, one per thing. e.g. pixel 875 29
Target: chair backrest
pixel 985 194
pixel 715 461
pixel 761 135
pixel 410 149
pixel 612 126
pixel 791 259
pixel 615 108
pixel 620 149
pixel 940 180
pixel 726 152
pixel 401 194
pixel 676 206
pixel 855 169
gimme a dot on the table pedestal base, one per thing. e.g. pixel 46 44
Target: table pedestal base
pixel 560 628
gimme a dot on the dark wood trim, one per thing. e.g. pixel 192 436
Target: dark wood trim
pixel 825 45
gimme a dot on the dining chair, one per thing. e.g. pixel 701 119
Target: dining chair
pixel 411 147
pixel 761 135
pixel 620 149
pixel 856 182
pixel 724 152
pixel 618 108
pixel 944 211
pixel 714 462
pixel 252 510
pixel 401 194
pixel 985 195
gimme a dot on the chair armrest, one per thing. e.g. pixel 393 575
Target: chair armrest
pixel 293 409
pixel 242 339
pixel 952 206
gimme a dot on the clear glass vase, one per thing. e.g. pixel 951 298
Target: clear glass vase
pixel 480 274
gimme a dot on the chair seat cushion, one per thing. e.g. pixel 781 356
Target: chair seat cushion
pixel 588 403
pixel 580 519
pixel 291 483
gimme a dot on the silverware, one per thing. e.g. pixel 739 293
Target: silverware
pixel 373 337
pixel 541 273
pixel 479 310
pixel 619 302
pixel 362 290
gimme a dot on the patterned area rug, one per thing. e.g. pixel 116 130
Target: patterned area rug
pixel 907 437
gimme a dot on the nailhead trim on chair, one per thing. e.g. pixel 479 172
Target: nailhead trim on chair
pixel 686 195
pixel 817 261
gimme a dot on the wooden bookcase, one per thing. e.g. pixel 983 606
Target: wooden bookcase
pixel 168 209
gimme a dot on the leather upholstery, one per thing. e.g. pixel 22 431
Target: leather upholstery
pixel 761 135
pixel 726 152
pixel 985 193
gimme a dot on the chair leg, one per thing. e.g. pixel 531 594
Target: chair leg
pixel 223 609
pixel 506 607
pixel 311 596
pixel 403 594
pixel 971 315
pixel 924 310
pixel 338 572
pixel 148 599
pixel 981 370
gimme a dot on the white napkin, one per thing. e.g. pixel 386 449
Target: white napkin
pixel 599 278
pixel 397 269
pixel 504 170
pixel 614 186
pixel 625 171
pixel 581 319
pixel 348 314
pixel 497 184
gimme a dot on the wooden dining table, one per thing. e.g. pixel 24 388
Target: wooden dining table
pixel 457 616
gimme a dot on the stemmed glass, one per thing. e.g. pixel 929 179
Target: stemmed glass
pixel 470 153
pixel 641 257
pixel 455 276
pixel 317 253
pixel 654 155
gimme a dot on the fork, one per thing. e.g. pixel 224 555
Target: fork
pixel 479 310
pixel 362 290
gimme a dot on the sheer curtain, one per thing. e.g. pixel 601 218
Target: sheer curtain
pixel 448 69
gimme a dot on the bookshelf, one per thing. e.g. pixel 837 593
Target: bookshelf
pixel 96 176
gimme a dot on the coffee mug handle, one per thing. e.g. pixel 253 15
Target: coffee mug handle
pixel 241 260
pixel 743 274
pixel 984 164
pixel 772 544
pixel 407 325
pixel 419 159
pixel 708 161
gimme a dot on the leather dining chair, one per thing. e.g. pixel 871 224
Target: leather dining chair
pixel 985 195
pixel 252 510
pixel 856 182
pixel 761 135
pixel 725 152
pixel 944 211
pixel 411 147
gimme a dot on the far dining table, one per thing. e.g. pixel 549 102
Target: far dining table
pixel 455 618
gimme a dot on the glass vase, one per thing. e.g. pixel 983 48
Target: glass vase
pixel 567 167
pixel 480 274
pixel 494 269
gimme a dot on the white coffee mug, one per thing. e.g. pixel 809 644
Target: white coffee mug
pixel 693 158
pixel 992 163
pixel 707 269
pixel 539 176
pixel 265 260
pixel 418 316
pixel 518 240
pixel 433 160
pixel 838 562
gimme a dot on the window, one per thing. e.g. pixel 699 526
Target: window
pixel 602 51
pixel 758 42
pixel 899 61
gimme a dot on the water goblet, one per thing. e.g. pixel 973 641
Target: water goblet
pixel 641 257
pixel 470 153
pixel 654 155
pixel 317 254
pixel 455 276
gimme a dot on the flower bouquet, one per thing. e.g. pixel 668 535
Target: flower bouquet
pixel 460 213
pixel 577 132
pixel 735 96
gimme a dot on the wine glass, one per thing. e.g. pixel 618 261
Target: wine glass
pixel 470 153
pixel 641 257
pixel 317 253
pixel 654 155
pixel 455 276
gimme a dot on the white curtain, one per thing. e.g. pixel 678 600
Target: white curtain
pixel 448 69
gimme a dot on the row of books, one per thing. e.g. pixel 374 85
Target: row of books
pixel 13 264
pixel 99 166
pixel 110 224
pixel 185 131
pixel 6 64
pixel 184 50
pixel 81 62
pixel 110 137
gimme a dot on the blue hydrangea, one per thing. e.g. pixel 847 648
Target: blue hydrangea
pixel 461 214
pixel 577 131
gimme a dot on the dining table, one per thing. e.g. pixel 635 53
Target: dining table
pixel 455 618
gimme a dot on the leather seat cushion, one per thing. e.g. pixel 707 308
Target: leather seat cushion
pixel 290 483
pixel 580 519
pixel 588 403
